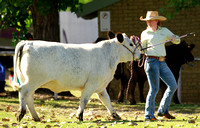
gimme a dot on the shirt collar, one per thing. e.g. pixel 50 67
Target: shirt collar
pixel 150 30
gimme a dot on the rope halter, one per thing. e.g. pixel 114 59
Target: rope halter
pixel 136 42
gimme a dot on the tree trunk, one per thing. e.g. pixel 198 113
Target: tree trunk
pixel 46 27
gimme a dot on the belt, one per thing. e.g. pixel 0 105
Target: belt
pixel 160 58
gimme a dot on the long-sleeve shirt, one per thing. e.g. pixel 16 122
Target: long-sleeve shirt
pixel 149 38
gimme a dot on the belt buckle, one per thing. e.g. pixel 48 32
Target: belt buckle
pixel 162 58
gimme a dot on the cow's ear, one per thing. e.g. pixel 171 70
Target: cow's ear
pixel 120 37
pixel 110 35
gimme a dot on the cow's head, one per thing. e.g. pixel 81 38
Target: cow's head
pixel 187 51
pixel 126 44
pixel 180 53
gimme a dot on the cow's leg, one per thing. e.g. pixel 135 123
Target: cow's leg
pixel 123 86
pixel 108 87
pixel 85 96
pixel 175 97
pixel 141 90
pixel 121 93
pixel 25 98
pixel 22 100
pixel 132 92
pixel 105 99
pixel 31 108
pixel 162 87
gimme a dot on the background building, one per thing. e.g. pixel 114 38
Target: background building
pixel 123 16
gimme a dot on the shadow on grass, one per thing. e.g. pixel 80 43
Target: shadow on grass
pixel 73 102
pixel 9 101
pixel 125 121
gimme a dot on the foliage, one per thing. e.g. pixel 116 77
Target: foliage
pixel 173 7
pixel 18 13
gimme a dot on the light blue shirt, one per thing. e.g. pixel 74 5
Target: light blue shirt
pixel 149 38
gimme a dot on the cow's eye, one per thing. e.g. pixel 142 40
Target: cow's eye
pixel 131 44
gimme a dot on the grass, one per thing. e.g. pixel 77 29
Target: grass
pixel 61 113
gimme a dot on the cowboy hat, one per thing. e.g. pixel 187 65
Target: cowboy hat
pixel 153 15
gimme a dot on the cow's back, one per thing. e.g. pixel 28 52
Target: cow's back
pixel 69 66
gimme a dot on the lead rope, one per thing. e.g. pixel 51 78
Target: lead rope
pixel 143 58
pixel 129 81
pixel 131 63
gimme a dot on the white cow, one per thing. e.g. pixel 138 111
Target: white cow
pixel 61 67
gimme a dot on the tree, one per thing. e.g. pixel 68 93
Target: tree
pixel 43 14
pixel 173 7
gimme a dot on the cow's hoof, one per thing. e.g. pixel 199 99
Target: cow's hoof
pixel 37 119
pixel 80 117
pixel 133 103
pixel 176 102
pixel 116 116
pixel 120 101
pixel 142 99
pixel 20 115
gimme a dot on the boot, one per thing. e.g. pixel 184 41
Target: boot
pixel 2 86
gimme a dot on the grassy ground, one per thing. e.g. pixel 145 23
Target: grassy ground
pixel 61 113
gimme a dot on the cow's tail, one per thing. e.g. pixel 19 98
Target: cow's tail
pixel 16 61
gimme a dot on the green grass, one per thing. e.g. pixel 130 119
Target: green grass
pixel 61 113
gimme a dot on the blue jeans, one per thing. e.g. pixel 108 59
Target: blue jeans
pixel 155 71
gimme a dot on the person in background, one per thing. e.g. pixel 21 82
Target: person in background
pixel 2 78
pixel 155 65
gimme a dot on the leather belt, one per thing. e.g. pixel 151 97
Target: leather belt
pixel 160 58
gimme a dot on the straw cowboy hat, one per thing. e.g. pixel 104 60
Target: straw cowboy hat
pixel 153 15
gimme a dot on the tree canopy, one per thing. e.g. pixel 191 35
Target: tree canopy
pixel 18 13
pixel 173 7
pixel 15 14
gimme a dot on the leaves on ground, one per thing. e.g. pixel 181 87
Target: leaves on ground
pixel 62 113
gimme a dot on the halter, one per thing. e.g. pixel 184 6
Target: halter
pixel 136 45
pixel 130 50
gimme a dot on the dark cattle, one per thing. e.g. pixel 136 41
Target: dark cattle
pixel 177 55
pixel 138 76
